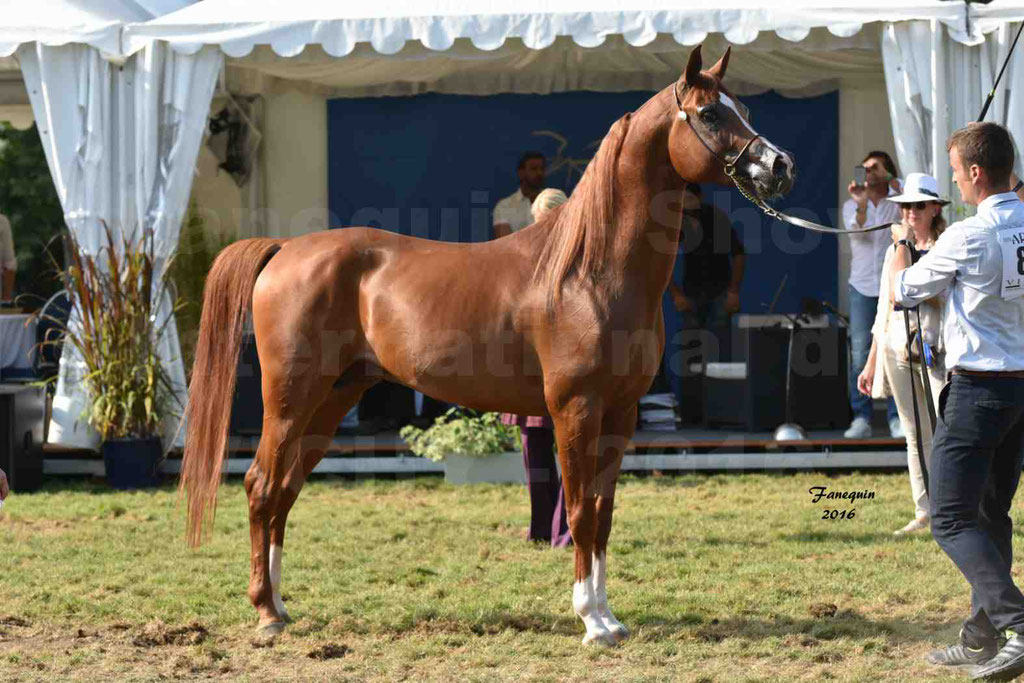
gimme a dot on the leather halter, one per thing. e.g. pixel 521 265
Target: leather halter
pixel 729 166
pixel 746 186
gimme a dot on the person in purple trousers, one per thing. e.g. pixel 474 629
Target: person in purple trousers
pixel 547 498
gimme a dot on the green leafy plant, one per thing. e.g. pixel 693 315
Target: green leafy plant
pixel 113 325
pixel 196 252
pixel 462 432
pixel 29 200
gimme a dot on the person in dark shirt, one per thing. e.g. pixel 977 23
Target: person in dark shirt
pixel 713 261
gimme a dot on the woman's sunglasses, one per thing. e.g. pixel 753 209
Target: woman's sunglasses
pixel 915 205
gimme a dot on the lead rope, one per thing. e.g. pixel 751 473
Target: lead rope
pixel 745 186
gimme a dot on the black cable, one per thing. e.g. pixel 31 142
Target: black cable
pixel 1006 62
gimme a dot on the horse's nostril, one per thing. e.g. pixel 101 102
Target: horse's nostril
pixel 780 166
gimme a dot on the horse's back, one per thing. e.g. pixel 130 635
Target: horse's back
pixel 424 311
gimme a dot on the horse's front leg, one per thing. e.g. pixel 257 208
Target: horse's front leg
pixel 617 430
pixel 578 429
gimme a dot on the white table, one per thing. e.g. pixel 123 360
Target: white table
pixel 17 339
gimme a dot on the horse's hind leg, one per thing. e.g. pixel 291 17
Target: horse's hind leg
pixel 291 399
pixel 275 457
pixel 617 430
pixel 314 443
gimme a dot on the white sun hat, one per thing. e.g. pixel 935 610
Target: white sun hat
pixel 919 187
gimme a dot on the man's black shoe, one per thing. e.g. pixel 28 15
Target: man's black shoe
pixel 1006 665
pixel 961 655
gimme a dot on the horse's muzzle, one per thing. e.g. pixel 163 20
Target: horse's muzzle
pixel 771 169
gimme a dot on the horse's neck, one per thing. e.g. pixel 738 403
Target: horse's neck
pixel 648 195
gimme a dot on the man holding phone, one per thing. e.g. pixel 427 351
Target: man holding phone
pixel 874 180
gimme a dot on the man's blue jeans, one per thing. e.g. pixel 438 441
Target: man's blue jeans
pixel 862 317
pixel 976 461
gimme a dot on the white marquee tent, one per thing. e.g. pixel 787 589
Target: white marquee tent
pixel 121 134
pixel 122 142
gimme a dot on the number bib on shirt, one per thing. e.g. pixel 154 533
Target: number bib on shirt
pixel 1011 241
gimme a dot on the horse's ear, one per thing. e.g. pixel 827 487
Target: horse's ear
pixel 719 68
pixel 692 74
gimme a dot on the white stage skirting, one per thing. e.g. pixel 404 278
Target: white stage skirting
pixel 17 337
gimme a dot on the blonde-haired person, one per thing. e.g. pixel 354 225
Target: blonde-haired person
pixel 546 200
pixel 887 369
pixel 547 499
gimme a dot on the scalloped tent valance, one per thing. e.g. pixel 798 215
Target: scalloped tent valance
pixel 98 23
pixel 238 26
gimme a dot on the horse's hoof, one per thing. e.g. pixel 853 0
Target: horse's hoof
pixel 286 618
pixel 620 633
pixel 271 629
pixel 600 639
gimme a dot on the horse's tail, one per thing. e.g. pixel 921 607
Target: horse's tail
pixel 227 298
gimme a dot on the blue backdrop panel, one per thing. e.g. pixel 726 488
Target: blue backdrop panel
pixel 434 165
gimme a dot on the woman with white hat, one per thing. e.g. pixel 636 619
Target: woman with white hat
pixel 888 369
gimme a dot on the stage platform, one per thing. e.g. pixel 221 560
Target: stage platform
pixel 663 451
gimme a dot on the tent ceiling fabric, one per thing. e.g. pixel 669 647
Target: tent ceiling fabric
pixel 813 67
pixel 238 26
pixel 93 22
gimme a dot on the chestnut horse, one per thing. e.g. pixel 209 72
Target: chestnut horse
pixel 563 317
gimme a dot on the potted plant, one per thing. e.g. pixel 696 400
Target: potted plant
pixel 197 248
pixel 113 327
pixel 475 448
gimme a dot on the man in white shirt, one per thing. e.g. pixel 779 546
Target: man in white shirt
pixel 513 212
pixel 868 205
pixel 979 439
pixel 8 263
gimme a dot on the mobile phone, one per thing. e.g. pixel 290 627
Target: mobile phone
pixel 859 175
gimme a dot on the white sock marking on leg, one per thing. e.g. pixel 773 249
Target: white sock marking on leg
pixel 584 602
pixel 603 611
pixel 276 553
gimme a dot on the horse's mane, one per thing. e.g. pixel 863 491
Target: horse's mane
pixel 579 235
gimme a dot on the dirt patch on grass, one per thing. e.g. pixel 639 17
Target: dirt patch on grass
pixel 823 610
pixel 157 634
pixel 329 651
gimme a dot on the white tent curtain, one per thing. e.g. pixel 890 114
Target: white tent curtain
pixel 937 85
pixel 121 143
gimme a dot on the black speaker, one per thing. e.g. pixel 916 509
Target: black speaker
pixel 22 410
pixel 247 405
pixel 820 395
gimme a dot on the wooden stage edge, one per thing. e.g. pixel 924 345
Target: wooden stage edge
pixel 681 451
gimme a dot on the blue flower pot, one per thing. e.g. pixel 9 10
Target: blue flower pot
pixel 132 463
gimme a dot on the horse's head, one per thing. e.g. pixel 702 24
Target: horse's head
pixel 711 134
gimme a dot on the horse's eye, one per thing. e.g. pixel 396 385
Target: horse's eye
pixel 709 116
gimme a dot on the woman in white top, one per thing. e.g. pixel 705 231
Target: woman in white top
pixel 8 263
pixel 887 370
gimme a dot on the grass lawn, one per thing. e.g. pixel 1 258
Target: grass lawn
pixel 730 577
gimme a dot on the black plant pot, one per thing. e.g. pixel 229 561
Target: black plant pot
pixel 132 463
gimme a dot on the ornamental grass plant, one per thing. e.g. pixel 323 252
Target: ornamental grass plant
pixel 114 329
